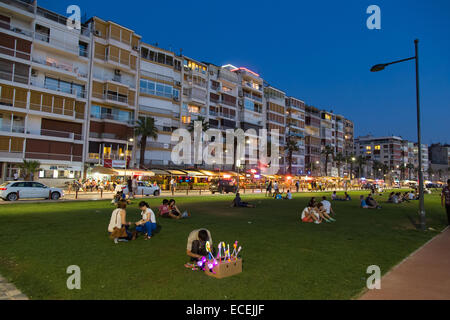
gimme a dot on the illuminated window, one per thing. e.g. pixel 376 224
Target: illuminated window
pixel 368 148
pixel 186 119
pixel 327 116
pixel 193 109
pixel 377 147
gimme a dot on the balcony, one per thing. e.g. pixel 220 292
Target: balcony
pixel 119 61
pixel 252 96
pixel 56 111
pixel 15 29
pixel 62 45
pixel 11 128
pixel 56 65
pixel 15 53
pixel 52 156
pixel 74 91
pixel 107 136
pixel 13 103
pixel 13 77
pixel 116 98
pixel 27 6
pixel 113 117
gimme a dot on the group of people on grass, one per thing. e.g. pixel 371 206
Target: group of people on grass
pixel 398 197
pixel 317 212
pixel 119 228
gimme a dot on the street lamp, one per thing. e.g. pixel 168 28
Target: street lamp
pixel 380 67
pixel 126 156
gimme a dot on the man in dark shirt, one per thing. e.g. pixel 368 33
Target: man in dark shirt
pixel 445 199
pixel 237 202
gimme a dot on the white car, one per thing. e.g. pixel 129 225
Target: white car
pixel 143 188
pixel 15 190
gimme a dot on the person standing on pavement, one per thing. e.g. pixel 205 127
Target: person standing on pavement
pixel 445 199
pixel 173 185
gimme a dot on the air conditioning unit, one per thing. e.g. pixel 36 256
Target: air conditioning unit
pixel 178 83
pixel 34 73
pixel 240 103
pixel 98 33
pixel 186 69
pixel 117 72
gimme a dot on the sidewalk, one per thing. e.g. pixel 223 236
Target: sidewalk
pixel 425 275
pixel 9 292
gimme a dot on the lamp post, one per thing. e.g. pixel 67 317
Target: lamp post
pixel 126 156
pixel 380 67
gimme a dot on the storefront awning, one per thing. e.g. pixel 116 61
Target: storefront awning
pixel 160 172
pixel 209 173
pixel 103 170
pixel 176 172
pixel 131 172
pixel 192 173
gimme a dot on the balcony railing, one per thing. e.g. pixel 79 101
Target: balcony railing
pixel 16 29
pixel 15 53
pixel 65 45
pixel 119 60
pixel 60 19
pixel 60 134
pixel 108 116
pixel 59 65
pixel 110 97
pixel 10 76
pixel 12 128
pixel 13 103
pixel 21 4
pixel 53 156
pixel 79 93
pixel 156 76
pixel 251 96
pixel 56 111
pixel 115 78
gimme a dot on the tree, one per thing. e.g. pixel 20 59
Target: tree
pixel 339 159
pixel 410 167
pixel 439 172
pixel 376 166
pixel 361 162
pixel 327 152
pixel 350 159
pixel 430 173
pixel 205 124
pixel 291 147
pixel 28 168
pixel 402 171
pixel 145 128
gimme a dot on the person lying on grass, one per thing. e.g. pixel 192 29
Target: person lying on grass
pixel 237 202
pixel 147 224
pixel 118 225
pixel 310 214
pixel 165 212
pixel 176 212
pixel 196 246
pixel 364 204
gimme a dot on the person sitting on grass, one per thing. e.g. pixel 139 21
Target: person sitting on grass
pixel 334 196
pixel 288 195
pixel 176 212
pixel 310 214
pixel 372 202
pixel 347 197
pixel 391 197
pixel 147 224
pixel 327 206
pixel 364 204
pixel 411 195
pixel 165 212
pixel 323 213
pixel 196 246
pixel 118 225
pixel 237 202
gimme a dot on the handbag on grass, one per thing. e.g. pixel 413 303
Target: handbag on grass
pixel 118 233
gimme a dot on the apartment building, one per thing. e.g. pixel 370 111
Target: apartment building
pixel 160 86
pixel 313 141
pixel 348 137
pixel 44 80
pixel 439 161
pixel 295 126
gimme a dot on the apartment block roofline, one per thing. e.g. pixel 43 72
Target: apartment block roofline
pixel 114 23
pixel 158 48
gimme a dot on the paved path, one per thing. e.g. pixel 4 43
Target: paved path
pixel 425 275
pixel 9 292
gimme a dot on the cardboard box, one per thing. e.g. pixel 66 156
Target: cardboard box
pixel 226 269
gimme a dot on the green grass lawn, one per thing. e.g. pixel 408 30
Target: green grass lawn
pixel 282 257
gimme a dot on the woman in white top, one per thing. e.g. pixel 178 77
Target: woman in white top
pixel 118 220
pixel 148 222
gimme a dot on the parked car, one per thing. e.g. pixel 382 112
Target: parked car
pixel 15 190
pixel 144 188
pixel 222 186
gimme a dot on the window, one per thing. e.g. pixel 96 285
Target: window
pixel 368 148
pixel 83 49
pixel 186 119
pixel 42 33
pixel 377 147
pixel 158 89
pixel 64 86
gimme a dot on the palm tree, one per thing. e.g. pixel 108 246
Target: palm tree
pixel 205 124
pixel 384 169
pixel 350 159
pixel 439 172
pixel 327 151
pixel 402 171
pixel 430 173
pixel 28 168
pixel 361 161
pixel 410 167
pixel 376 166
pixel 339 159
pixel 145 128
pixel 291 147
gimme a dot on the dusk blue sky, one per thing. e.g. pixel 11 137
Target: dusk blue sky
pixel 317 51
